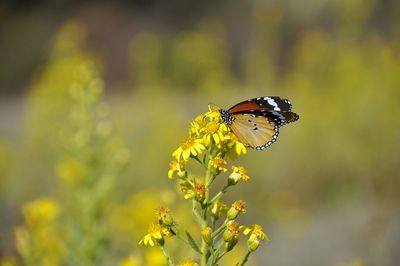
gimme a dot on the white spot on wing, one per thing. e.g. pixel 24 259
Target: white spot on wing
pixel 272 103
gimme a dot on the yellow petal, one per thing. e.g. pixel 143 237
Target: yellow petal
pixel 157 235
pixel 216 138
pixel 151 242
pixel 177 153
pixel 206 140
pixel 186 154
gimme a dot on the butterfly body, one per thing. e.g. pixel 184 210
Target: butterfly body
pixel 256 122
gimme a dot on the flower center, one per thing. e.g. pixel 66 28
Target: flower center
pixel 154 229
pixel 212 127
pixel 219 162
pixel 187 144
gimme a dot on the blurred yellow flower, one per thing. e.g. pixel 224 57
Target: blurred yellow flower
pixel 156 233
pixel 154 257
pixel 189 147
pixel 41 211
pixel 130 261
pixel 71 169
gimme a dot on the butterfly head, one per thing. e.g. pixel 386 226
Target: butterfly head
pixel 226 116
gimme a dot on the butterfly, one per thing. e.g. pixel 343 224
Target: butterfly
pixel 256 122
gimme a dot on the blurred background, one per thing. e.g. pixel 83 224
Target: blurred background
pixel 95 96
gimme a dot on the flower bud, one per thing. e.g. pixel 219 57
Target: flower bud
pixel 232 213
pixel 237 207
pixel 227 235
pixel 231 244
pixel 182 174
pixel 164 217
pixel 234 178
pixel 231 231
pixel 253 243
pixel 168 220
pixel 206 234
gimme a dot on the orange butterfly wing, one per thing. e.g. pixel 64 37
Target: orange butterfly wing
pixel 255 131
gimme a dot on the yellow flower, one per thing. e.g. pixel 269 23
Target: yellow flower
pixel 188 262
pixel 256 231
pixel 196 126
pixel 41 211
pixel 238 172
pixel 200 191
pixel 187 190
pixel 214 130
pixel 189 147
pixel 176 166
pixel 231 234
pixel 213 114
pixel 164 217
pixel 237 208
pixel 217 208
pixel 154 257
pixel 218 163
pixel 130 261
pixel 162 212
pixel 71 169
pixel 206 234
pixel 155 235
pixel 197 191
pixel 240 148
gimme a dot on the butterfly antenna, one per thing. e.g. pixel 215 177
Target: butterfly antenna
pixel 213 107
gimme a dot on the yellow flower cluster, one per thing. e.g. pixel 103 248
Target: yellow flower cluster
pixel 208 129
pixel 41 238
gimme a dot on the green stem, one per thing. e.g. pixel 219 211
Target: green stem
pixel 182 238
pixel 219 194
pixel 219 230
pixel 196 215
pixel 205 214
pixel 167 258
pixel 217 257
pixel 245 258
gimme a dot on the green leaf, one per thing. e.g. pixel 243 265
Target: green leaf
pixel 192 242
